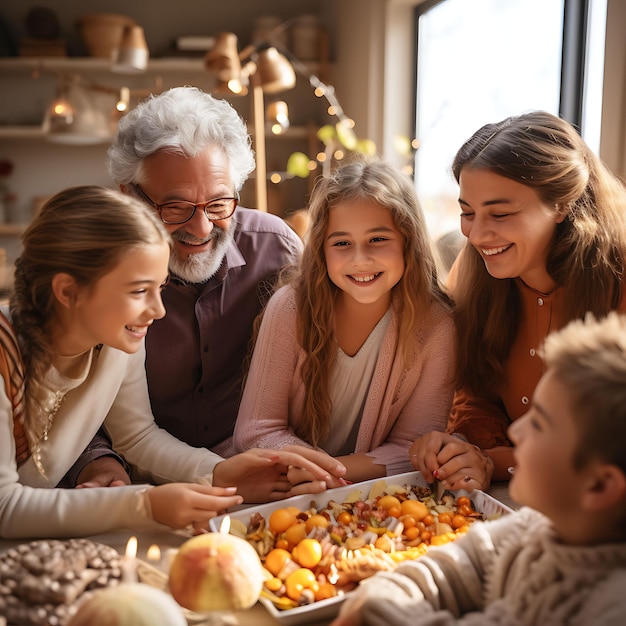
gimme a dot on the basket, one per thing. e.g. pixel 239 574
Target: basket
pixel 102 33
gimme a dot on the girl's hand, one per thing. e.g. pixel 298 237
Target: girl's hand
pixel 178 505
pixel 456 463
pixel 261 475
pixel 305 481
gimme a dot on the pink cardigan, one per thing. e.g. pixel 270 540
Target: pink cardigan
pixel 401 404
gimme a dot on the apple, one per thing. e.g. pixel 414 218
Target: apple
pixel 129 604
pixel 216 572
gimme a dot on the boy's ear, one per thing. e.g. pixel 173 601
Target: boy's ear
pixel 65 289
pixel 606 488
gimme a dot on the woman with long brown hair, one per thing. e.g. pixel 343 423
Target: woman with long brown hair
pixel 545 221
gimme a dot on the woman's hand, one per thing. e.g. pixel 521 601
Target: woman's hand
pixel 264 475
pixel 424 452
pixel 178 505
pixel 456 463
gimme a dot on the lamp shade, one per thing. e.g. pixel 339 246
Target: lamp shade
pixel 132 54
pixel 223 58
pixel 274 73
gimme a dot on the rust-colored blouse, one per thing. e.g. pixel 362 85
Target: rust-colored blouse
pixel 484 422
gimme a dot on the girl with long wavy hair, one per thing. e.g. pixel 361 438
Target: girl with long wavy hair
pixel 545 222
pixel 355 353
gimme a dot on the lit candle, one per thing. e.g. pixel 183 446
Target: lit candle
pixel 153 553
pixel 225 525
pixel 154 558
pixel 129 564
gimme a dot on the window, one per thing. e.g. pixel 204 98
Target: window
pixel 594 74
pixel 477 62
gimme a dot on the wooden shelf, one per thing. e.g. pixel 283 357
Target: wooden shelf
pixel 22 132
pixel 12 229
pixel 90 64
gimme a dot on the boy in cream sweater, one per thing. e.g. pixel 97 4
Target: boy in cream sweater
pixel 561 559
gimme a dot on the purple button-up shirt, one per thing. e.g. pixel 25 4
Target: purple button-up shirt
pixel 196 353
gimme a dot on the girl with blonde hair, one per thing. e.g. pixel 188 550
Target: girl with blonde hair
pixel 355 353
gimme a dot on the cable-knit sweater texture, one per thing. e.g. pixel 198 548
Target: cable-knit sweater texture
pixel 509 572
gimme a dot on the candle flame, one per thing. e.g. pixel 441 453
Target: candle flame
pixel 153 553
pixel 129 563
pixel 225 525
pixel 131 547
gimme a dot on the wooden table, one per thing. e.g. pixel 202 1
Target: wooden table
pixel 168 542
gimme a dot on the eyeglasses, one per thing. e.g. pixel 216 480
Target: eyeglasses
pixel 181 211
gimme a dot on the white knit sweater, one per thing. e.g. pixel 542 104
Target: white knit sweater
pixel 510 572
pixel 113 391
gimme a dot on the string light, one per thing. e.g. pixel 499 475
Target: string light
pixel 124 102
pixel 278 115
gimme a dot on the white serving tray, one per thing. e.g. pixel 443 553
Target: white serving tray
pixel 327 609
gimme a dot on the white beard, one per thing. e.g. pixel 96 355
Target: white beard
pixel 201 266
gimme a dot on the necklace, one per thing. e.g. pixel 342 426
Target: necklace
pixel 58 399
pixel 542 294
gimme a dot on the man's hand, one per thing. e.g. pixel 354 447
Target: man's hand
pixel 105 471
